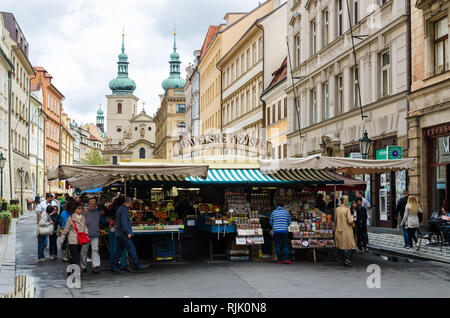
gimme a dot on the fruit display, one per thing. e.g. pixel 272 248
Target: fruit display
pixel 154 215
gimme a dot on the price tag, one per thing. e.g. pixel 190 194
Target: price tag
pixel 195 206
pixel 190 223
pixel 219 222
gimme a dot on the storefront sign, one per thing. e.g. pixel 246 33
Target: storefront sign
pixel 390 153
pixel 231 140
pixel 441 130
pixel 355 155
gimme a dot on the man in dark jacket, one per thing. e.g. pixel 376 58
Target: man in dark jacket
pixel 400 212
pixel 361 226
pixel 123 235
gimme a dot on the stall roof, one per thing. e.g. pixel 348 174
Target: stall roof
pixel 64 172
pixel 350 184
pixel 250 176
pixel 349 166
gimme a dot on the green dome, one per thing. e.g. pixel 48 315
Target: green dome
pixel 173 82
pixel 122 85
pixel 100 112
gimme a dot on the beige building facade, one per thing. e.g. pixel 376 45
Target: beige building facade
pixel 429 113
pixel 327 79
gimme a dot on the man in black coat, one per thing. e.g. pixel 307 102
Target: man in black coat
pixel 400 212
pixel 361 226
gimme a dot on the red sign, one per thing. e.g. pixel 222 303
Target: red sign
pixel 440 130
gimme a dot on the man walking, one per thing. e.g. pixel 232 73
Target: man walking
pixel 123 234
pixel 361 226
pixel 280 221
pixel 92 216
pixel 400 212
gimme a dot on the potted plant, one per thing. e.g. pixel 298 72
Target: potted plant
pixel 5 219
pixel 14 209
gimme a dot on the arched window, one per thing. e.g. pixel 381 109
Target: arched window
pixel 119 108
pixel 142 153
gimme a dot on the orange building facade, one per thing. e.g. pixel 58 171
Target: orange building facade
pixel 52 106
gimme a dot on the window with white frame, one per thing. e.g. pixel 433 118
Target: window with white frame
pixel 355 89
pixel 339 94
pixel 326 29
pixel 238 68
pixel 313 116
pixel 237 107
pixel 339 18
pixel 440 44
pixel 248 59
pixel 313 37
pixel 248 101
pixel 297 50
pixel 255 54
pixel 228 77
pixel 385 74
pixel 268 116
pixel 326 102
pixel 233 73
pixel 242 64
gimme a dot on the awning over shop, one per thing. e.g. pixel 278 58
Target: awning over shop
pixel 64 172
pixel 349 166
pixel 350 184
pixel 249 176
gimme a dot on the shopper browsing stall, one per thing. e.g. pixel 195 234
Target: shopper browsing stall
pixel 280 221
pixel 123 234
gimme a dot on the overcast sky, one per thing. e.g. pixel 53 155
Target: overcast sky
pixel 77 42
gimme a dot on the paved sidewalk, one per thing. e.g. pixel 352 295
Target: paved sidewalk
pixel 8 256
pixel 395 242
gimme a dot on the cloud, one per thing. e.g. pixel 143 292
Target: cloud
pixel 77 42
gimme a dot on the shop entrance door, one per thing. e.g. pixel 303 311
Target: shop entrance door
pixel 384 195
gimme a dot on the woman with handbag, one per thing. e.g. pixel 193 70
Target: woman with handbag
pixel 411 219
pixel 45 228
pixel 76 232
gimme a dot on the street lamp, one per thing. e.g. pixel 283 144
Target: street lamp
pixel 2 165
pixel 21 171
pixel 364 145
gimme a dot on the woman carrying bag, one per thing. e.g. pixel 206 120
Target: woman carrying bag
pixel 45 228
pixel 411 219
pixel 76 232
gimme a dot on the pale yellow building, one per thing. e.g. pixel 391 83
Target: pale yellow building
pixel 67 141
pixel 214 48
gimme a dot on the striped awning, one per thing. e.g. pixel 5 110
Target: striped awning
pixel 249 176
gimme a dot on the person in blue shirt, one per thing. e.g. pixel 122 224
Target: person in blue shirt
pixel 65 214
pixel 123 234
pixel 280 221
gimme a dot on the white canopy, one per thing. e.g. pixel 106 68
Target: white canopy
pixel 97 176
pixel 349 166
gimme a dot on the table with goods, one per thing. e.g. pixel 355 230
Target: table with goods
pixel 155 218
pixel 310 227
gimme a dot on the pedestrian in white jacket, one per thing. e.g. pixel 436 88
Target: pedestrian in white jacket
pixel 411 220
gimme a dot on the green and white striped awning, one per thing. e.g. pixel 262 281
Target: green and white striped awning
pixel 248 176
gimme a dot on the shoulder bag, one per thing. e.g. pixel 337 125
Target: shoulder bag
pixel 45 229
pixel 83 238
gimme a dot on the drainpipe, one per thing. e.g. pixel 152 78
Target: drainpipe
pixel 408 71
pixel 9 132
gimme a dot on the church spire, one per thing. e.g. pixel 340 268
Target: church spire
pixel 122 85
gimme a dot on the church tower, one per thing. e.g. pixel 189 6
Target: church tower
pixel 121 104
pixel 100 119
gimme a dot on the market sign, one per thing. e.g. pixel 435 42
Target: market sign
pixel 227 140
pixel 390 153
pixel 444 129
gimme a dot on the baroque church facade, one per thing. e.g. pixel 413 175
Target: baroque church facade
pixel 130 135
